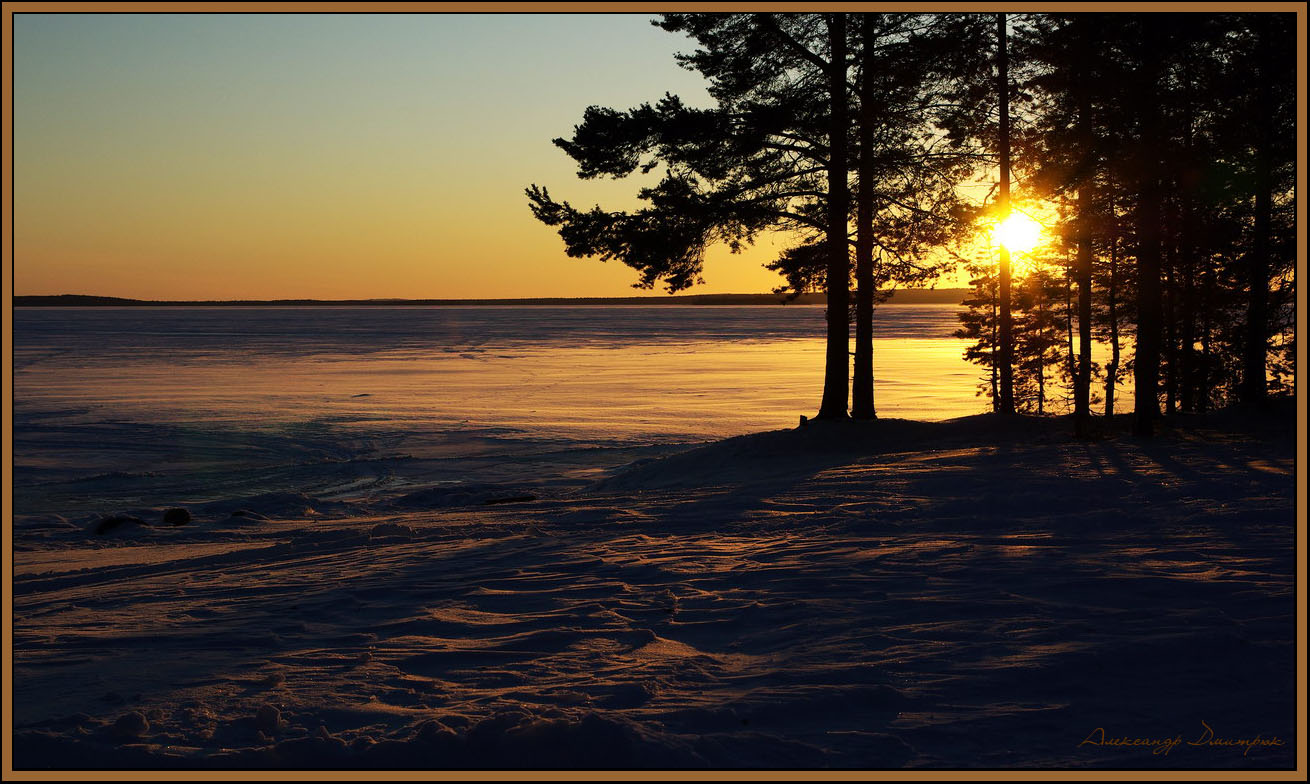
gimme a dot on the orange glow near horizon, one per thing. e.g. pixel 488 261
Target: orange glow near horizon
pixel 318 156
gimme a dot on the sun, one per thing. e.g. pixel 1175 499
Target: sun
pixel 1017 233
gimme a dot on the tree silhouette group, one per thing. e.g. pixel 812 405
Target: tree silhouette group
pixel 1159 146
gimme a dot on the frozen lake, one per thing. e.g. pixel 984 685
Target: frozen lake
pixel 116 407
pixel 347 595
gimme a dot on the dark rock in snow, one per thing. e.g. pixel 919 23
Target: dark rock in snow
pixel 131 725
pixel 113 523
pixel 277 506
pixel 273 681
pixel 628 695
pixel 176 516
pixel 390 530
pixel 47 522
pixel 446 496
pixel 513 499
pixel 268 720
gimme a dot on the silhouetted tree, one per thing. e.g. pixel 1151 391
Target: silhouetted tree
pixel 837 281
pixel 1165 142
pixel 1069 150
pixel 756 161
pixel 773 154
pixel 1006 358
pixel 1267 56
pixel 980 324
pixel 1149 134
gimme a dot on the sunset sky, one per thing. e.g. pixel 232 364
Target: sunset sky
pixel 199 156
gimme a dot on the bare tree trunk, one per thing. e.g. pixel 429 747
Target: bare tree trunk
pixel 837 370
pixel 862 386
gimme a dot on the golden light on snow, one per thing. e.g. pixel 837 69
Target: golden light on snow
pixel 1017 233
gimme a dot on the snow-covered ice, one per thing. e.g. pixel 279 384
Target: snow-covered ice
pixel 378 588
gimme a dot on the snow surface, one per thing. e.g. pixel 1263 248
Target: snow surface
pixel 123 408
pixel 554 538
pixel 858 595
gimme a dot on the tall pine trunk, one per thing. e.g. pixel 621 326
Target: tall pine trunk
pixel 1070 355
pixel 1254 383
pixel 1206 360
pixel 1082 388
pixel 1006 354
pixel 1187 325
pixel 1082 385
pixel 996 396
pixel 837 369
pixel 1168 264
pixel 1112 304
pixel 1187 272
pixel 862 387
pixel 1146 364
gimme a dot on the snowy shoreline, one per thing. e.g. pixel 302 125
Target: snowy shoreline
pixel 955 594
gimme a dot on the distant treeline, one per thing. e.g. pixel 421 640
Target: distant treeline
pixel 900 297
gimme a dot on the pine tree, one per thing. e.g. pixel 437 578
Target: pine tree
pixel 773 155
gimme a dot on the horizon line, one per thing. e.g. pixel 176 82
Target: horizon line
pixel 22 300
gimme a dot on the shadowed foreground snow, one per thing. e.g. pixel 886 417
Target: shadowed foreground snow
pixel 860 595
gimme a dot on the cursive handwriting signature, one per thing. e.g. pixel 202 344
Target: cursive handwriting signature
pixel 1164 745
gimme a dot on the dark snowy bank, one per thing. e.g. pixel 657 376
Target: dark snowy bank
pixel 843 595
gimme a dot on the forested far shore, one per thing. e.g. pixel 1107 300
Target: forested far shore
pixel 901 297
